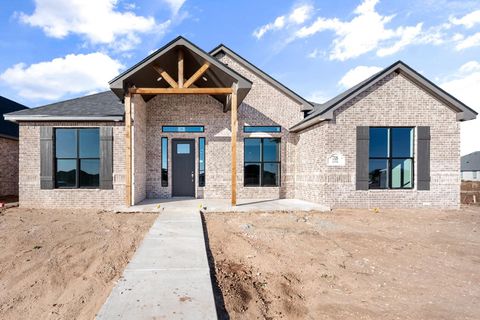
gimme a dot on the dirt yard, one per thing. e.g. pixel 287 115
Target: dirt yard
pixel 348 264
pixel 61 264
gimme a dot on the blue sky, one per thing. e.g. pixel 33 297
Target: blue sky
pixel 53 50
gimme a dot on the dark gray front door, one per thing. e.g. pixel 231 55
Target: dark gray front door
pixel 183 165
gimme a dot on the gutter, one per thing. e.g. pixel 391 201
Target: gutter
pixel 15 118
pixel 306 124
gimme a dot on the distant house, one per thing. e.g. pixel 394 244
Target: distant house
pixel 470 167
pixel 8 148
pixel 186 123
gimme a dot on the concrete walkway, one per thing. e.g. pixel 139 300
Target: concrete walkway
pixel 169 276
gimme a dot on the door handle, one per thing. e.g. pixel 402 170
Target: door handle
pixel 193 176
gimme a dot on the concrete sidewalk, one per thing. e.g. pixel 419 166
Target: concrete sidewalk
pixel 168 277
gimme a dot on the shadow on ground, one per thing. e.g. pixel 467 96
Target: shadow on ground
pixel 217 293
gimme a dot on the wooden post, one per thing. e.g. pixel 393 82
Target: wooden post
pixel 180 68
pixel 128 150
pixel 234 127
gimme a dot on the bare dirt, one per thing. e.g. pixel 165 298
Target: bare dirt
pixel 62 264
pixel 348 264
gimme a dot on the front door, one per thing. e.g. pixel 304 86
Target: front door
pixel 183 166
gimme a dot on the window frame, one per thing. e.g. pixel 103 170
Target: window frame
pixel 271 129
pixel 390 158
pixel 202 129
pixel 262 162
pixel 77 159
pixel 164 152
pixel 200 184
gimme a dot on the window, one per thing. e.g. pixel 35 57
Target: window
pixel 262 129
pixel 164 162
pixel 183 129
pixel 391 158
pixel 183 148
pixel 77 158
pixel 201 162
pixel 261 162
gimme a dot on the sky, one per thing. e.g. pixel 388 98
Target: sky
pixel 54 50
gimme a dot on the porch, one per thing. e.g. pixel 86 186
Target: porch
pixel 224 205
pixel 180 70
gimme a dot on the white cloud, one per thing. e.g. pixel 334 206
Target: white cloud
pixel 468 21
pixel 364 33
pixel 298 15
pixel 316 53
pixel 175 5
pixel 99 21
pixel 407 36
pixel 357 75
pixel 464 86
pixel 54 79
pixel 468 42
pixel 318 96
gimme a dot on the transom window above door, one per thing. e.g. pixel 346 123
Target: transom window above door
pixel 391 158
pixel 183 129
pixel 249 129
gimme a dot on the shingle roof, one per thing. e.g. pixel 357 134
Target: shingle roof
pixel 471 162
pixel 325 110
pixel 7 128
pixel 96 106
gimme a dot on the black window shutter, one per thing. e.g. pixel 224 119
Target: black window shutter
pixel 423 158
pixel 363 144
pixel 106 158
pixel 46 158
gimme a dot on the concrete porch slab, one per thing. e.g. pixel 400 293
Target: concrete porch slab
pixel 223 205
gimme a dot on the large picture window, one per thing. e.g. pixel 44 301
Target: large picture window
pixel 77 158
pixel 261 162
pixel 391 158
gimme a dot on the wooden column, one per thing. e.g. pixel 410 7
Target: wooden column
pixel 180 69
pixel 234 127
pixel 128 150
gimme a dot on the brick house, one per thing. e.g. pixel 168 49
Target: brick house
pixel 187 123
pixel 8 149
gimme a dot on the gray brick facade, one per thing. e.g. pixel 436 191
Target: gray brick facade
pixel 8 167
pixel 30 194
pixel 394 101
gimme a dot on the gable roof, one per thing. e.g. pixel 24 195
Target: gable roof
pixel 471 162
pixel 221 48
pixel 218 74
pixel 326 110
pixel 9 129
pixel 103 106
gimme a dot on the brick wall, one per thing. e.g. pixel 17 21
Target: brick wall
pixel 264 105
pixel 395 101
pixel 8 167
pixel 30 194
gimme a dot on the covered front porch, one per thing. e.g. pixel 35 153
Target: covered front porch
pixel 179 71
